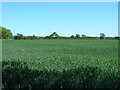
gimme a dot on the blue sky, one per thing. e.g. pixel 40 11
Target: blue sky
pixel 65 18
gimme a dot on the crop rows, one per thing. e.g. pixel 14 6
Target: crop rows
pixel 77 60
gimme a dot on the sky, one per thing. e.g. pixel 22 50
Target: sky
pixel 65 18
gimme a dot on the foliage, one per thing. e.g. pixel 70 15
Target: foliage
pixel 18 36
pixel 54 35
pixel 6 33
pixel 83 35
pixel 117 38
pixel 48 37
pixel 21 36
pixel 102 35
pixel 72 36
pixel 18 75
pixel 77 36
pixel 60 63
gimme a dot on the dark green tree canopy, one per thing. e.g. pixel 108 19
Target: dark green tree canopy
pixel 54 34
pixel 5 33
pixel 18 36
pixel 72 36
pixel 83 35
pixel 77 35
pixel 102 35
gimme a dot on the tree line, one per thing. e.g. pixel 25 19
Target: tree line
pixel 7 34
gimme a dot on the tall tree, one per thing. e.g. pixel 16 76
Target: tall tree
pixel 54 35
pixel 83 35
pixel 18 36
pixel 5 33
pixel 77 36
pixel 72 36
pixel 102 35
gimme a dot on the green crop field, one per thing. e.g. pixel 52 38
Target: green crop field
pixel 60 63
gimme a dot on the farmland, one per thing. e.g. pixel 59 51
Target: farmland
pixel 80 61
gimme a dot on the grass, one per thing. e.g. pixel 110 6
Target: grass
pixel 77 60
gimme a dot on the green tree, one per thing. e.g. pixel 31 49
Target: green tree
pixel 102 35
pixel 72 36
pixel 77 36
pixel 18 36
pixel 5 33
pixel 83 35
pixel 54 35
